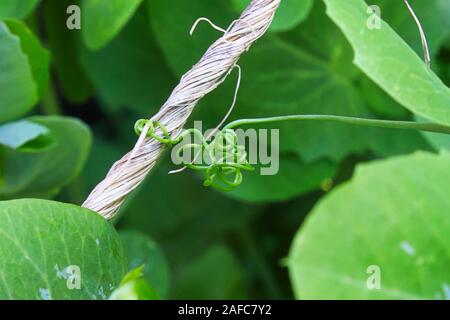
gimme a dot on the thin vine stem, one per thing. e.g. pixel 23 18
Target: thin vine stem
pixel 391 124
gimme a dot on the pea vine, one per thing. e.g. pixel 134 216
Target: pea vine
pixel 227 158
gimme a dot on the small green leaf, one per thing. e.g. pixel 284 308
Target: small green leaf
pixel 141 250
pixel 134 274
pixel 44 174
pixel 103 19
pixel 383 56
pixel 17 8
pixel 134 287
pixel 19 92
pixel 391 217
pixel 53 250
pixel 38 57
pixel 16 135
pixel 288 16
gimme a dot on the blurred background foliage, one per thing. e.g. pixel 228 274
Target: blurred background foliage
pixel 122 65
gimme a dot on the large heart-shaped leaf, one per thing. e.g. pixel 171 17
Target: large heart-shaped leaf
pixel 43 174
pixel 52 250
pixel 310 86
pixel 103 19
pixel 383 56
pixel 388 226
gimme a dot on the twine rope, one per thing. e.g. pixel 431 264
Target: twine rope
pixel 211 71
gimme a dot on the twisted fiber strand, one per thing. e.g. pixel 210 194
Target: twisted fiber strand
pixel 216 64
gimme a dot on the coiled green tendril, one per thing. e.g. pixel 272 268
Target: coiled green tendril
pixel 222 158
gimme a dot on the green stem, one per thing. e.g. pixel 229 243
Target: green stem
pixel 391 124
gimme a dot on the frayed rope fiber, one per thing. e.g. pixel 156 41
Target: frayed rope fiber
pixel 213 68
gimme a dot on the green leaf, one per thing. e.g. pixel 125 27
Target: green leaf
pixel 393 215
pixel 141 250
pixel 17 135
pixel 380 102
pixel 215 275
pixel 19 91
pixel 38 57
pixel 433 15
pixel 383 56
pixel 134 274
pixel 289 14
pixel 44 174
pixel 17 8
pixel 63 44
pixel 103 19
pixel 46 245
pixel 293 179
pixel 141 81
pixel 390 142
pixel 134 287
